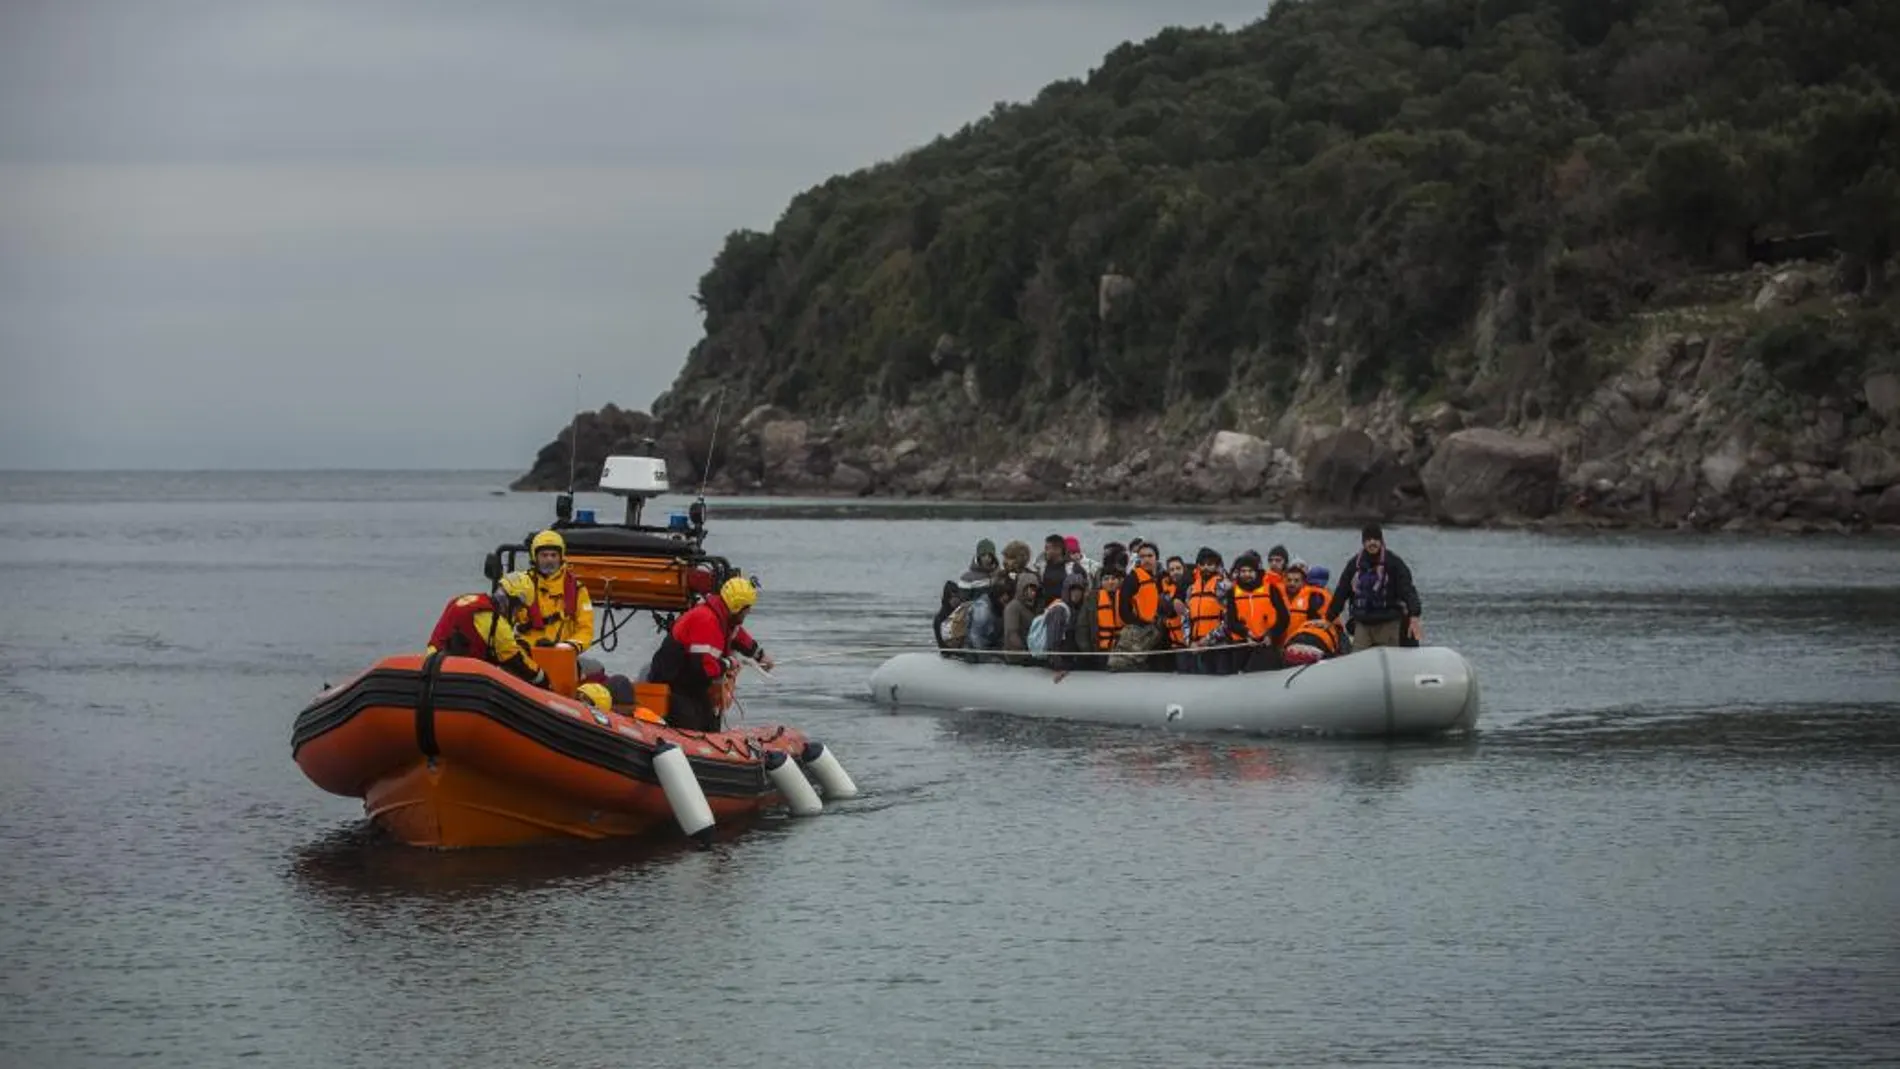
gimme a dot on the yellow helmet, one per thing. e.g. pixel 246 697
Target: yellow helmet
pixel 597 695
pixel 548 540
pixel 518 586
pixel 739 594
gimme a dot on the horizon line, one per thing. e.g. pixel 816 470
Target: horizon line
pixel 347 470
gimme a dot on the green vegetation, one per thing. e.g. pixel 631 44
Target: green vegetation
pixel 1419 192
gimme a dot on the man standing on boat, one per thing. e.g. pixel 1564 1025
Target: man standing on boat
pixel 697 651
pixel 560 612
pixel 476 625
pixel 1378 586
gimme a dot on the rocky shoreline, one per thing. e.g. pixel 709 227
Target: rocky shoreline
pixel 1691 426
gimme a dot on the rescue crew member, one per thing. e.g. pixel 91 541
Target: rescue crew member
pixel 1257 615
pixel 476 625
pixel 696 653
pixel 1378 587
pixel 560 611
pixel 1304 600
pixel 596 695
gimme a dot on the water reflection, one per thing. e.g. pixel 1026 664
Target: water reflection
pixel 1153 757
pixel 1867 732
pixel 361 862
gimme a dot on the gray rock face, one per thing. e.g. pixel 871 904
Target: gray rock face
pixel 1883 396
pixel 1481 475
pixel 1887 507
pixel 1235 466
pixel 1348 476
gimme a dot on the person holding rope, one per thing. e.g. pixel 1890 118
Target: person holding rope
pixel 697 652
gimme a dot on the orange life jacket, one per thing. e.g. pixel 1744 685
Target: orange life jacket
pixel 1108 619
pixel 1256 612
pixel 1317 633
pixel 1177 624
pixel 1310 603
pixel 1146 599
pixel 1204 608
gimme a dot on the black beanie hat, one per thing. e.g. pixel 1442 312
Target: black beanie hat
pixel 1369 531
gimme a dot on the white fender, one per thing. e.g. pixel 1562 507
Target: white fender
pixel 792 785
pixel 683 793
pixel 831 775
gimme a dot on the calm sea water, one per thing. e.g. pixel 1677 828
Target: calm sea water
pixel 1676 840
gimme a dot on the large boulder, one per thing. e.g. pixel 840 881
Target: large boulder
pixel 1783 288
pixel 850 479
pixel 1484 474
pixel 1883 396
pixel 1348 476
pixel 1235 465
pixel 1887 507
pixel 1871 466
pixel 783 446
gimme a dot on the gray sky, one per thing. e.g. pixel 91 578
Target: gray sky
pixel 269 233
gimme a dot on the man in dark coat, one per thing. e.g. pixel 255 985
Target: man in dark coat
pixel 1378 586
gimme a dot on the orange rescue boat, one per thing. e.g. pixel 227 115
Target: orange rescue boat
pixel 450 751
pixel 454 752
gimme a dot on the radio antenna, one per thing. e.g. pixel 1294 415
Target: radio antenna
pixel 705 473
pixel 574 436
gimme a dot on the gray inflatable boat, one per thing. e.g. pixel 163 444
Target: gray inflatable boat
pixel 1379 692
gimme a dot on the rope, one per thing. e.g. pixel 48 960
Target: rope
pixel 867 650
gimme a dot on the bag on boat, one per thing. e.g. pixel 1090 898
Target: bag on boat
pixel 956 627
pixel 1131 647
pixel 1038 641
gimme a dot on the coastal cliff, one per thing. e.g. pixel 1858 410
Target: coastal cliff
pixel 1533 261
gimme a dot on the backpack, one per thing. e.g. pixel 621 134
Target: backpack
pixel 956 627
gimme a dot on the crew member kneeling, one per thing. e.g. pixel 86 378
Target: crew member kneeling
pixel 693 655
pixel 476 625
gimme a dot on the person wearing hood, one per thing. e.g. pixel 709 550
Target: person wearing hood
pixel 1378 586
pixel 1022 609
pixel 986 616
pixel 952 597
pixel 1061 623
pixel 977 578
pixel 1256 615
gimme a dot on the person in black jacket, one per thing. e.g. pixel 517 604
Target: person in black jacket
pixel 1378 586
